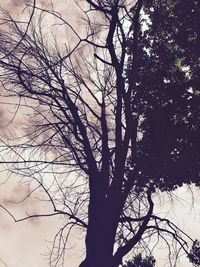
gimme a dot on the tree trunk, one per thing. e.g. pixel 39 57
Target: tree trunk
pixel 101 231
pixel 99 245
pixel 97 256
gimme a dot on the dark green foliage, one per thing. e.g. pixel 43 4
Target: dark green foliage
pixel 138 261
pixel 166 98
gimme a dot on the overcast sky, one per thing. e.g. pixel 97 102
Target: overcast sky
pixel 24 244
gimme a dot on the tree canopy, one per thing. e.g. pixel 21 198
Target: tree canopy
pixel 167 80
pixel 138 261
pixel 112 118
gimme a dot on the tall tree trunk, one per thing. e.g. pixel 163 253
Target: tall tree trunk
pixel 99 252
pixel 100 237
pixel 99 243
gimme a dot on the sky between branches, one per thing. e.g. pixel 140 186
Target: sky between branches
pixel 22 244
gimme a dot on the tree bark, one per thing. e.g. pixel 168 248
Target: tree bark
pixel 101 231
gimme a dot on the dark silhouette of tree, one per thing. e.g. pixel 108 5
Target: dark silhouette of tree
pixel 194 254
pixel 166 93
pixel 138 261
pixel 112 118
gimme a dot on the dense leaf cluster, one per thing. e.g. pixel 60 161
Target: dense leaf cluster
pixel 194 255
pixel 139 261
pixel 166 98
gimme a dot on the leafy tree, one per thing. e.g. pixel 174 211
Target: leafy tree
pixel 194 255
pixel 112 118
pixel 166 94
pixel 138 261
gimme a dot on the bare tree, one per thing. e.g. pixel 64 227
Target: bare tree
pixel 84 127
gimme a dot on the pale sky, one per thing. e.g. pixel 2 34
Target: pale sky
pixel 24 244
pixel 27 243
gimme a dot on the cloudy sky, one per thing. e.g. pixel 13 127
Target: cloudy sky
pixel 27 243
pixel 24 244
